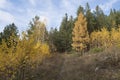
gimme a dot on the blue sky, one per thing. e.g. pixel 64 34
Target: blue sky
pixel 21 12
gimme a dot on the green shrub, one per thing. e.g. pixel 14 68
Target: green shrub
pixel 96 50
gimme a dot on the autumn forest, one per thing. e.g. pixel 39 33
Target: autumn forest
pixel 83 48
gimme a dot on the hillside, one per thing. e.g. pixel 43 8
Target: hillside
pixel 98 66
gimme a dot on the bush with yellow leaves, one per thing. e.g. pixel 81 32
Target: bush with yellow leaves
pixel 17 62
pixel 100 38
pixel 115 36
pixel 105 38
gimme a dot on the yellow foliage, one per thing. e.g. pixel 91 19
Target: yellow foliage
pixel 80 34
pixel 45 49
pixel 115 36
pixel 26 52
pixel 101 38
pixel 105 38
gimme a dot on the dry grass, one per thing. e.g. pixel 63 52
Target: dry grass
pixel 99 66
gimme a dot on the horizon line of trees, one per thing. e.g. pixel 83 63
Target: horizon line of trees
pixel 60 40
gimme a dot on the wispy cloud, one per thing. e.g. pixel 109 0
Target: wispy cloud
pixel 6 17
pixel 33 2
pixel 108 5
pixel 5 4
pixel 2 3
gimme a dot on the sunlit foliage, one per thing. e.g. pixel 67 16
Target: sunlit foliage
pixel 100 38
pixel 22 56
pixel 80 34
pixel 104 38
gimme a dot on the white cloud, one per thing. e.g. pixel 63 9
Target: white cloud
pixel 108 5
pixel 2 3
pixel 50 13
pixel 33 2
pixel 6 17
pixel 68 6
pixel 5 4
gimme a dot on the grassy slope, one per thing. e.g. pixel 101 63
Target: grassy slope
pixel 99 66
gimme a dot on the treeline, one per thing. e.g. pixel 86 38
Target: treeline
pixel 61 39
